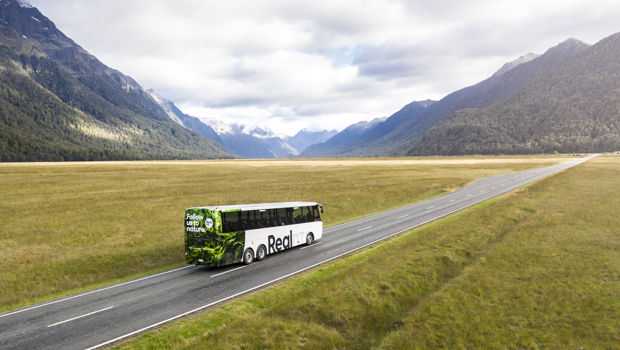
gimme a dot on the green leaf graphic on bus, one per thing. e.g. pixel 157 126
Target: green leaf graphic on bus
pixel 218 236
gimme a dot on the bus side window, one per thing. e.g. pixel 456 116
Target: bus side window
pixel 317 213
pixel 224 223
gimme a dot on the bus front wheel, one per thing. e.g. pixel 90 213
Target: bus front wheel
pixel 261 253
pixel 309 239
pixel 248 256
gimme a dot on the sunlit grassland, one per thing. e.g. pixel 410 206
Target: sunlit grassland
pixel 535 270
pixel 68 227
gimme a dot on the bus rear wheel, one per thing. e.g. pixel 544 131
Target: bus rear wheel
pixel 261 253
pixel 309 239
pixel 248 256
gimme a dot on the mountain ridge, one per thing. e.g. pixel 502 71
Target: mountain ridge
pixel 339 140
pixel 571 108
pixel 487 92
pixel 93 112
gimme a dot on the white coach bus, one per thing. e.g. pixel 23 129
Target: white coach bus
pixel 223 235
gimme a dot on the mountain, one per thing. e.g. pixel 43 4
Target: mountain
pixel 371 142
pixel 58 102
pixel 185 120
pixel 506 81
pixel 339 140
pixel 243 140
pixel 253 142
pixel 304 138
pixel 573 107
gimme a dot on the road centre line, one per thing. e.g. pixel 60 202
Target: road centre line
pixel 400 217
pixel 430 207
pixel 365 228
pixel 225 272
pixel 283 277
pixel 310 246
pixel 95 291
pixel 382 213
pixel 452 200
pixel 75 318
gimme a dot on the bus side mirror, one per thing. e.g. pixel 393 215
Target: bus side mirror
pixel 320 206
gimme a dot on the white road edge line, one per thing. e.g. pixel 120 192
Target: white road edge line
pixel 310 246
pixel 75 318
pixel 286 276
pixel 94 291
pixel 400 217
pixel 365 228
pixel 225 272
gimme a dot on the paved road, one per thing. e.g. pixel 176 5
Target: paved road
pixel 103 316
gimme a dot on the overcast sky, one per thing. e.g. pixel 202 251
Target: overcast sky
pixel 319 64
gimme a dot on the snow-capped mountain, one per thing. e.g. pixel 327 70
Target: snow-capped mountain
pixel 253 142
pixel 244 140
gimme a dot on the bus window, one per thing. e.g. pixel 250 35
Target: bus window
pixel 317 214
pixel 281 217
pixel 296 213
pixel 231 221
pixel 309 215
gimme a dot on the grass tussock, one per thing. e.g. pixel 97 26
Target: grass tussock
pixel 73 226
pixel 533 270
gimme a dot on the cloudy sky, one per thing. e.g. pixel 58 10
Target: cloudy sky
pixel 319 64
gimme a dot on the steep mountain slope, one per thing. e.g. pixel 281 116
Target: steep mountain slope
pixel 185 120
pixel 372 141
pixel 304 138
pixel 66 105
pixel 574 107
pixel 509 79
pixel 339 140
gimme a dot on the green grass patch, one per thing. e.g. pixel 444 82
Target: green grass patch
pixel 535 270
pixel 70 227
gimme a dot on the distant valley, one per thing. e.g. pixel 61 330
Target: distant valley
pixel 58 102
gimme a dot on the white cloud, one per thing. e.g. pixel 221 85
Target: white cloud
pixel 322 64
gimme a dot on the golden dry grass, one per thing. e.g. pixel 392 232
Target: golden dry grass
pixel 65 227
pixel 535 270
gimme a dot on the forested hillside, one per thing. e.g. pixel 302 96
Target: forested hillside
pixel 60 103
pixel 375 140
pixel 574 107
pixel 408 125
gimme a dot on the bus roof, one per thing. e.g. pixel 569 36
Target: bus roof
pixel 259 206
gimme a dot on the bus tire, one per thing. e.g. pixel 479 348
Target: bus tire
pixel 261 253
pixel 248 256
pixel 309 239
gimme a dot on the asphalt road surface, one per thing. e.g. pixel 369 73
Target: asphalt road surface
pixel 107 315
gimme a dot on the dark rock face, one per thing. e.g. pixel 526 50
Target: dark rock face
pixel 28 21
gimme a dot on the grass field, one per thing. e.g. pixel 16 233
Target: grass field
pixel 523 271
pixel 66 227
